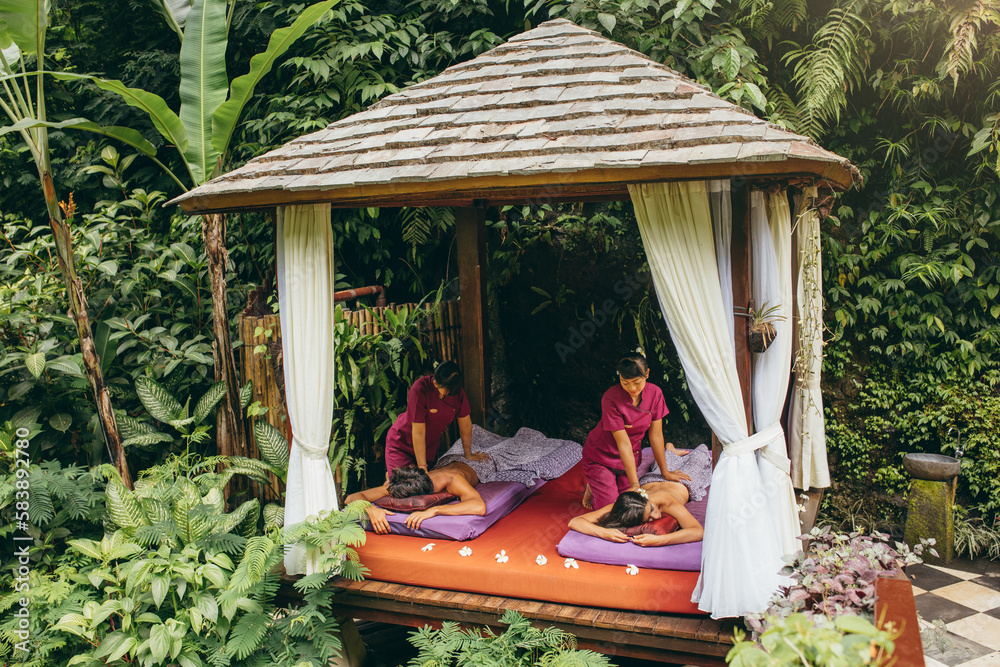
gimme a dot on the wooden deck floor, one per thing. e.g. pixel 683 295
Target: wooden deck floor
pixel 686 640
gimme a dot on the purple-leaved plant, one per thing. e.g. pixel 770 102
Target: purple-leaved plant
pixel 836 576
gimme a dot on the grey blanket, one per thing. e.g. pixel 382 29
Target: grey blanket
pixel 526 456
pixel 697 464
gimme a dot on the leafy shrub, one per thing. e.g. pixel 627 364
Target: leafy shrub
pixel 182 582
pixel 847 641
pixel 520 645
pixel 974 536
pixel 836 576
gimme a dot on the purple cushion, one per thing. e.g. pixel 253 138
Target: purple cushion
pixel 500 499
pixel 414 503
pixel 671 557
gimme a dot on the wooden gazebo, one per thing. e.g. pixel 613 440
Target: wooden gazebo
pixel 556 114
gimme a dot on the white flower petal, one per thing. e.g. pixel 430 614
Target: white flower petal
pixel 428 547
pixel 632 569
pixel 465 551
pixel 571 563
pixel 541 560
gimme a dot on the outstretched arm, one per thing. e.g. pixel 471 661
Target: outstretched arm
pixel 376 515
pixel 656 442
pixel 465 431
pixel 469 502
pixel 587 524
pixel 690 529
pixel 627 457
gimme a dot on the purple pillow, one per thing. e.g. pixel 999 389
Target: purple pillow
pixel 500 499
pixel 592 549
pixel 414 503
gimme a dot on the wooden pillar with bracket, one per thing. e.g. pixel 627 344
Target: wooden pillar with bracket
pixel 470 226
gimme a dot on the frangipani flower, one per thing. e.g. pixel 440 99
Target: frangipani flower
pixel 502 557
pixel 632 569
pixel 571 563
pixel 541 560
pixel 465 551
pixel 428 547
pixel 642 492
pixel 802 508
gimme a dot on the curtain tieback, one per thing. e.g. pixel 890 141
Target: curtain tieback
pixel 761 440
pixel 311 451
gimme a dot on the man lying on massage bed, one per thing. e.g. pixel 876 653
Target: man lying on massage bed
pixel 632 508
pixel 456 478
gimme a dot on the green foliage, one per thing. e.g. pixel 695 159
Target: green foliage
pixel 847 641
pixel 520 644
pixel 373 376
pixel 974 536
pixel 57 504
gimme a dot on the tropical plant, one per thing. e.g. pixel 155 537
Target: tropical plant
pixel 161 405
pixel 373 376
pixel 520 644
pixel 844 641
pixel 23 26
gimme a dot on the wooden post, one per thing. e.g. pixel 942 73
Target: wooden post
pixel 741 298
pixel 470 226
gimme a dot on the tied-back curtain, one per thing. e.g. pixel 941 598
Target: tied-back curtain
pixel 807 439
pixel 741 555
pixel 771 241
pixel 304 249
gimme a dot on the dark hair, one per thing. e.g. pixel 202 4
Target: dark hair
pixel 629 510
pixel 410 481
pixel 632 366
pixel 449 376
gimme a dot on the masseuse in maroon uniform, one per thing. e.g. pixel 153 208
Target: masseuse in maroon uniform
pixel 433 403
pixel 613 450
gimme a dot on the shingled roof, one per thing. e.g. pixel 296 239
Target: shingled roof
pixel 558 112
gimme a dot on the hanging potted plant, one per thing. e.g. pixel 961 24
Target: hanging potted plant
pixel 762 331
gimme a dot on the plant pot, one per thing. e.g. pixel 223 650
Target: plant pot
pixel 761 339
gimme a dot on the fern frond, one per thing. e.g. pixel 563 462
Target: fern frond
pixel 957 58
pixel 826 70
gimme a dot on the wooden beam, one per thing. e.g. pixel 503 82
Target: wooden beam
pixel 470 227
pixel 580 186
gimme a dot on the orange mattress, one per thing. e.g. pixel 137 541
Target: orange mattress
pixel 530 531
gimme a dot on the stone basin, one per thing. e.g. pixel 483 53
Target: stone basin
pixel 934 467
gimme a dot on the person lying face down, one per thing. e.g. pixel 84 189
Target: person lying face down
pixel 631 509
pixel 457 478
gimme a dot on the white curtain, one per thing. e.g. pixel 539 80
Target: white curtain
pixel 304 249
pixel 742 552
pixel 771 245
pixel 721 204
pixel 807 439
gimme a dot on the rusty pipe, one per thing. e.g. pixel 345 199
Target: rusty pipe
pixel 351 294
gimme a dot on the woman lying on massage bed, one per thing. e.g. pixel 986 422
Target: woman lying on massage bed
pixel 456 478
pixel 632 508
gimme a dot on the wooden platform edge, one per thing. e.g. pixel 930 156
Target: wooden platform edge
pixel 689 640
pixel 895 608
